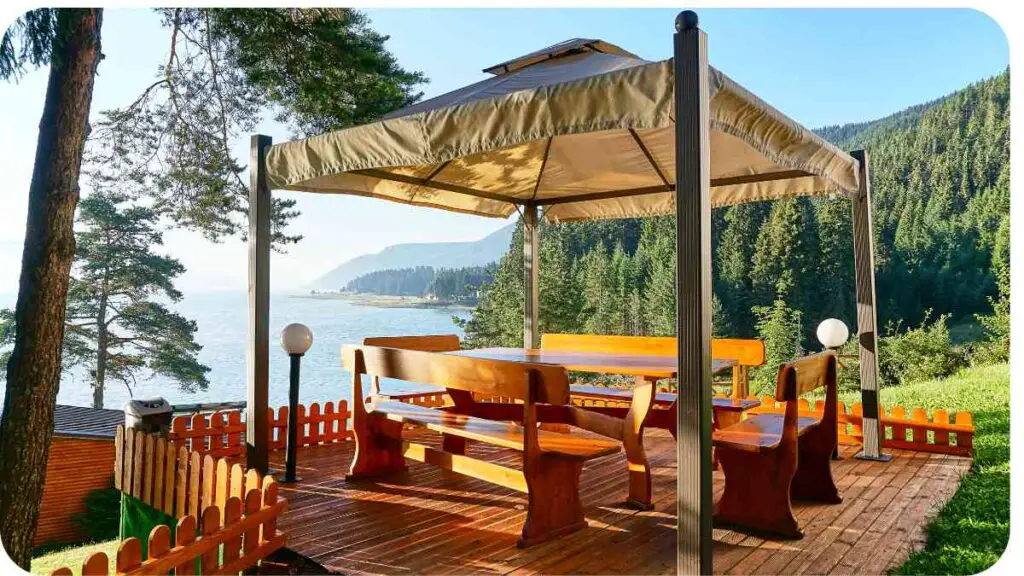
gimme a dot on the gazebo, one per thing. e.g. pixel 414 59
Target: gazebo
pixel 585 130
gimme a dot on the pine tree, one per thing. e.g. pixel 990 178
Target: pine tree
pixel 69 41
pixel 783 262
pixel 599 293
pixel 116 322
pixel 779 327
pixel 560 294
pixel 498 318
pixel 316 69
pixel 733 259
pixel 835 290
pixel 660 295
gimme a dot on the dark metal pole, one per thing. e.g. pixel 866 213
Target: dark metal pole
pixel 867 322
pixel 293 420
pixel 531 276
pixel 693 297
pixel 258 345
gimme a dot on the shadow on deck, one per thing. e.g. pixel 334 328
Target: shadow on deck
pixel 435 521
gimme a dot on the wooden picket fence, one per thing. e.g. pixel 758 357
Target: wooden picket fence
pixel 246 534
pixel 903 429
pixel 179 482
pixel 222 433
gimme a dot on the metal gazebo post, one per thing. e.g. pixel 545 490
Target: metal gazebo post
pixel 693 297
pixel 258 343
pixel 531 271
pixel 867 321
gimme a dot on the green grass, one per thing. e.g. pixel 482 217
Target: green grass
pixel 971 532
pixel 72 556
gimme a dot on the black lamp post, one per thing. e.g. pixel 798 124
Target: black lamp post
pixel 295 340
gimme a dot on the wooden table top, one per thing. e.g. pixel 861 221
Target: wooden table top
pixel 597 362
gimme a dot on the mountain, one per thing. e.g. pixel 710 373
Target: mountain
pixel 435 254
pixel 849 136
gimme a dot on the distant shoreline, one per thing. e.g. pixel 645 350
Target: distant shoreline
pixel 384 301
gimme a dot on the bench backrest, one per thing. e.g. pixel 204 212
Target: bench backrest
pixel 543 383
pixel 744 352
pixel 799 377
pixel 806 375
pixel 431 343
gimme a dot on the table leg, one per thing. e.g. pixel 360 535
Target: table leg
pixel 633 443
pixel 726 418
pixel 464 403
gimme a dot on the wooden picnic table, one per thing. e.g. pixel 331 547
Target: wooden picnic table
pixel 629 422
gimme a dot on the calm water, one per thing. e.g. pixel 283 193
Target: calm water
pixel 222 332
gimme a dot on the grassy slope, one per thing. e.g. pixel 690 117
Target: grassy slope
pixel 972 530
pixel 72 557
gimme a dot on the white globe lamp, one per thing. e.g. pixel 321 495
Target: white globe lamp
pixel 833 333
pixel 296 339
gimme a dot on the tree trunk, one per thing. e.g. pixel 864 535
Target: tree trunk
pixel 33 371
pixel 102 341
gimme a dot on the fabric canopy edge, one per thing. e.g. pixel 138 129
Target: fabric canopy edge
pixel 829 158
pixel 418 123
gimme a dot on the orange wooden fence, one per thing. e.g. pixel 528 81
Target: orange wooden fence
pixel 223 433
pixel 907 430
pixel 238 540
pixel 179 482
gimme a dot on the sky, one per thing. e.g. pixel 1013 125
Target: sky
pixel 821 67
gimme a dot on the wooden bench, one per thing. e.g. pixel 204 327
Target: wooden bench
pixel 551 461
pixel 769 459
pixel 744 353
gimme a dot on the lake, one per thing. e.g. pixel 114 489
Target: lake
pixel 222 332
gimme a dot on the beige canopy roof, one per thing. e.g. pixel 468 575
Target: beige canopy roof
pixel 582 128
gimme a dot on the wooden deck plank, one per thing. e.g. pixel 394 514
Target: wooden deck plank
pixel 751 554
pixel 468 543
pixel 907 484
pixel 434 521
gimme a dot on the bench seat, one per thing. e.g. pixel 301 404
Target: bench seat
pixel 761 432
pixel 503 434
pixel 770 459
pixel 661 398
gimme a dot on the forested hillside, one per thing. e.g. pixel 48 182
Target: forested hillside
pixel 447 284
pixel 437 255
pixel 940 177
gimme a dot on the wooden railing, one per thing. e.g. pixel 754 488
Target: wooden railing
pixel 246 534
pixel 222 433
pixel 903 429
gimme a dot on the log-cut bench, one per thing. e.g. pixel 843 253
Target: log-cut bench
pixel 770 459
pixel 551 461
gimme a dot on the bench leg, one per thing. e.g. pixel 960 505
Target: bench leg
pixel 453 444
pixel 555 508
pixel 378 448
pixel 756 496
pixel 813 479
pixel 633 444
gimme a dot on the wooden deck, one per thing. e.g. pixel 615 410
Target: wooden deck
pixel 434 521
